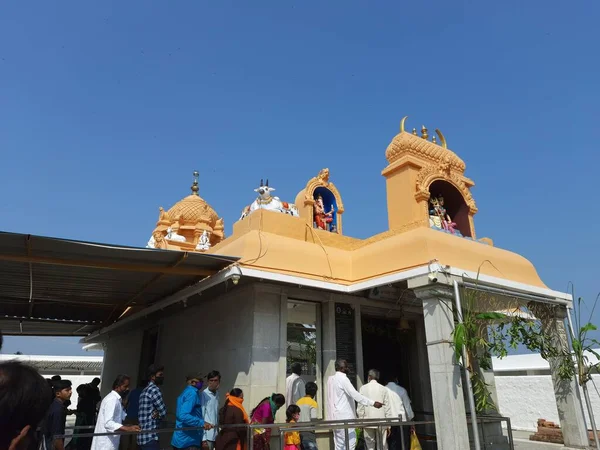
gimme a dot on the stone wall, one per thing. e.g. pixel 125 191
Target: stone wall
pixel 525 399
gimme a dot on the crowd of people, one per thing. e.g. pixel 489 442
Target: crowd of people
pixel 33 412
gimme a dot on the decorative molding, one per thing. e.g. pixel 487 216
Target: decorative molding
pixel 406 144
pixel 431 173
pixel 322 180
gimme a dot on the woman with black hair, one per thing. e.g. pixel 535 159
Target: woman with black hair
pixel 264 413
pixel 232 413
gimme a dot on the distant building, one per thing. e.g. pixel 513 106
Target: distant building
pixel 77 369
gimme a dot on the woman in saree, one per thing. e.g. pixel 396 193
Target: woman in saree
pixel 233 413
pixel 264 413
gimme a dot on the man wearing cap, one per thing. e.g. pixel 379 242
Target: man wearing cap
pixel 189 414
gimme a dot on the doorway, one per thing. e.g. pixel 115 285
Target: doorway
pixel 388 345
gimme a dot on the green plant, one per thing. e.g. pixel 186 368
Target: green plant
pixel 487 334
pixel 582 344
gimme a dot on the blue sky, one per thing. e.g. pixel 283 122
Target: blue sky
pixel 107 107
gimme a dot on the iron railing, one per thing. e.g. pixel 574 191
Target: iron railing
pixel 320 426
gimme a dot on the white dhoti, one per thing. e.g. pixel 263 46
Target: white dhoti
pixel 371 438
pixel 339 439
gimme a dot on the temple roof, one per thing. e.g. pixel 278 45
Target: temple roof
pixel 281 243
pixel 406 144
pixel 192 210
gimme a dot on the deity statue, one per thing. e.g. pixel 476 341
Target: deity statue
pixel 323 175
pixel 322 218
pixel 438 216
pixel 173 236
pixel 157 241
pixel 162 215
pixel 204 242
pixel 266 201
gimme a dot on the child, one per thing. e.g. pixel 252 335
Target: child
pixel 292 438
pixel 308 413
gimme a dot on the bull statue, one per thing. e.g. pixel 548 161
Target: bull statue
pixel 266 201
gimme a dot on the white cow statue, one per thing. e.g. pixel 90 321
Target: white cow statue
pixel 268 202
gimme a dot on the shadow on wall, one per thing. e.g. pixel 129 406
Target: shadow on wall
pixel 236 333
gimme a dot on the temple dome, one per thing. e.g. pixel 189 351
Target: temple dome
pixel 191 210
pixel 190 225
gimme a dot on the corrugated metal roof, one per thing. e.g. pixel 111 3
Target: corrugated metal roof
pixel 51 286
pixel 59 363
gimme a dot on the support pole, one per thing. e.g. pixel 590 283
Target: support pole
pixel 467 377
pixel 586 394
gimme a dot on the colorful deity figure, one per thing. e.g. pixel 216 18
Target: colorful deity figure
pixel 322 218
pixel 438 216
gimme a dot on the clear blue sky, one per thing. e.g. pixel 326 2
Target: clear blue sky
pixel 107 107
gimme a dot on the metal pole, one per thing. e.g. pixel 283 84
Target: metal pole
pixel 347 436
pixel 467 377
pixel 588 403
pixel 586 394
pixel 510 435
pixel 281 439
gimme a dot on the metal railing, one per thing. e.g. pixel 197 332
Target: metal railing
pixel 320 426
pixel 278 429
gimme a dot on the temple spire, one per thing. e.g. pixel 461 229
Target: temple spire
pixel 195 187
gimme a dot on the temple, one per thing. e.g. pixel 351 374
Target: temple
pixel 300 290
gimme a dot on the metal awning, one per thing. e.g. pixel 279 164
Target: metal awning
pixel 60 287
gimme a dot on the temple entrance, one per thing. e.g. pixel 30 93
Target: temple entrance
pixel 388 345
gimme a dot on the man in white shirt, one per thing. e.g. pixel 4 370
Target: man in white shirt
pixel 210 409
pixel 375 391
pixel 295 387
pixel 341 396
pixel 399 393
pixel 111 415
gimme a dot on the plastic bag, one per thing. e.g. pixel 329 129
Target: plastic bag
pixel 414 440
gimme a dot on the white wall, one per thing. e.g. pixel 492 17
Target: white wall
pixel 121 356
pixel 525 399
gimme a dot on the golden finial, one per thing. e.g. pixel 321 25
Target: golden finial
pixel 442 138
pixel 434 140
pixel 402 124
pixel 415 131
pixel 195 188
pixel 424 134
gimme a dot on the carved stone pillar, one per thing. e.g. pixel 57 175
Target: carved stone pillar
pixel 446 384
pixel 566 392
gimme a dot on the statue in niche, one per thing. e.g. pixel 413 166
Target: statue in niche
pixel 438 216
pixel 204 242
pixel 173 236
pixel 322 218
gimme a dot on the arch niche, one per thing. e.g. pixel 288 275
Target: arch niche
pixel 332 200
pixel 455 205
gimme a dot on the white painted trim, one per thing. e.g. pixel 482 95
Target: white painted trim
pixel 402 276
pixel 512 287
pixel 504 283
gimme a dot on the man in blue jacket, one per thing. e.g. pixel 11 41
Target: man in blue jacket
pixel 189 414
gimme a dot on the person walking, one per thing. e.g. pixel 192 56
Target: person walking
pixel 380 393
pixel 264 413
pixel 210 408
pixel 111 415
pixel 152 409
pixel 57 415
pixel 233 413
pixel 308 413
pixel 294 385
pixel 341 396
pixel 188 415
